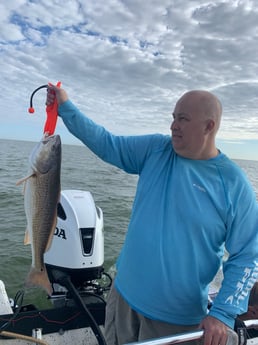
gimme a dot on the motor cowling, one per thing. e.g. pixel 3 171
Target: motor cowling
pixel 78 243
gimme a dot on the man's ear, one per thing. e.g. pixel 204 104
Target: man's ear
pixel 210 125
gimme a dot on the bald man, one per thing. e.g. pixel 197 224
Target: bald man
pixel 192 202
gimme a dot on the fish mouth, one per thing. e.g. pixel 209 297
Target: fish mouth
pixel 46 138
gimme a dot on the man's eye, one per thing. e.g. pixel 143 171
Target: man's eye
pixel 183 118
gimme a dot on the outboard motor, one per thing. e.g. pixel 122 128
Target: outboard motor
pixel 75 259
pixel 77 247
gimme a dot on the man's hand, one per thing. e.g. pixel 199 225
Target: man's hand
pixel 54 92
pixel 215 331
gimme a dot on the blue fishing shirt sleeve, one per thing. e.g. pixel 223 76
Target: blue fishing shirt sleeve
pixel 186 213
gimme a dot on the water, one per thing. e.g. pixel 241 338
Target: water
pixel 112 189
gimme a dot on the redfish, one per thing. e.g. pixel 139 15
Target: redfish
pixel 41 196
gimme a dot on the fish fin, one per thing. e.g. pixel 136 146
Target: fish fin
pixel 24 179
pixel 39 278
pixel 27 237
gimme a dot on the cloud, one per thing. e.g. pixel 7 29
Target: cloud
pixel 125 63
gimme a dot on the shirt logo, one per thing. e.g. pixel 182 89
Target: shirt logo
pixel 244 285
pixel 199 187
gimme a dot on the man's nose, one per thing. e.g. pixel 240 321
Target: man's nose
pixel 174 125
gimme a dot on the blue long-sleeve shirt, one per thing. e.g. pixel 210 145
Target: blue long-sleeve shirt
pixel 185 213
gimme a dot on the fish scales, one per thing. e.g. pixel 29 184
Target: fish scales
pixel 42 204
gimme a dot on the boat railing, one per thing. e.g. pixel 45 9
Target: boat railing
pixel 251 323
pixel 184 337
pixel 173 339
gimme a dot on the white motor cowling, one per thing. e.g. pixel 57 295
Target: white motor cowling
pixel 78 243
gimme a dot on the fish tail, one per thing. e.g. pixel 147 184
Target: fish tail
pixel 39 278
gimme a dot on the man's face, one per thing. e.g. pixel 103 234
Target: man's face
pixel 189 129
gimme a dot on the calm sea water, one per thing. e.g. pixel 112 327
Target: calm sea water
pixel 112 189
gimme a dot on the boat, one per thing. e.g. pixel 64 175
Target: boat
pixel 75 266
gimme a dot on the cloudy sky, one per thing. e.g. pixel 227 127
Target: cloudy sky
pixel 126 62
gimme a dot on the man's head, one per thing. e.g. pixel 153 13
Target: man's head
pixel 197 116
